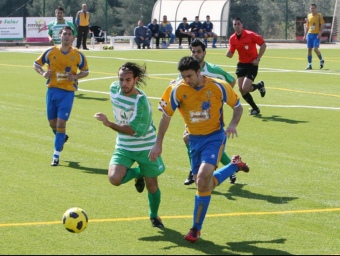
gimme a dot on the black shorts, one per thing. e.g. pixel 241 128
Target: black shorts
pixel 246 70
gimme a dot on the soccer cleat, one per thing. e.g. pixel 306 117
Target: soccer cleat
pixel 214 46
pixel 322 62
pixel 262 89
pixel 190 179
pixel 157 222
pixel 309 67
pixel 241 166
pixel 140 184
pixel 180 47
pixel 157 47
pixel 232 178
pixel 55 162
pixel 254 112
pixel 193 235
pixel 66 139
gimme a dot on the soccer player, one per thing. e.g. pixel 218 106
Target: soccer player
pixel 200 100
pixel 198 52
pixel 62 81
pixel 245 41
pixel 55 26
pixel 313 31
pixel 208 27
pixel 136 135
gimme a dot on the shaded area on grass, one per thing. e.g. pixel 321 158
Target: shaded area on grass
pixel 207 247
pixel 76 165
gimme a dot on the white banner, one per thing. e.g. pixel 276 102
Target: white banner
pixel 37 28
pixel 11 28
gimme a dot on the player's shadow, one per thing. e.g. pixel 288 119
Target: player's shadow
pixel 252 247
pixel 237 190
pixel 275 118
pixel 77 166
pixel 177 240
pixel 82 96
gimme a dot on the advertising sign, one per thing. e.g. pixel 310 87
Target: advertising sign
pixel 37 28
pixel 11 28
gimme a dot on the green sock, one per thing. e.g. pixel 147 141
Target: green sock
pixel 225 159
pixel 154 202
pixel 131 174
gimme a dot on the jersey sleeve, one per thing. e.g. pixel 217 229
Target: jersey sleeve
pixel 169 103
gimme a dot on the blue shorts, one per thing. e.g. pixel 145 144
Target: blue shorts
pixel 59 103
pixel 206 149
pixel 313 41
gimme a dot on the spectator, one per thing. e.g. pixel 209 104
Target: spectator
pixel 208 30
pixel 142 35
pixel 165 31
pixel 154 28
pixel 183 31
pixel 83 23
pixel 197 28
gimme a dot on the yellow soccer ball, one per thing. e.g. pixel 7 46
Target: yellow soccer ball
pixel 75 220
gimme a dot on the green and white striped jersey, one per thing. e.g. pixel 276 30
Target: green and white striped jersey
pixel 136 111
pixel 54 29
pixel 214 71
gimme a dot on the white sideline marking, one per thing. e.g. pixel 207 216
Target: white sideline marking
pixel 265 105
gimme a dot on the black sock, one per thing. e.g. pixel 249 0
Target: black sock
pixel 256 86
pixel 249 99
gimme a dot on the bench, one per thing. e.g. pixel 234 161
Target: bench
pixel 113 38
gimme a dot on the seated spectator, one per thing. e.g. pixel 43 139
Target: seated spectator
pixel 165 31
pixel 142 35
pixel 154 28
pixel 197 28
pixel 183 31
pixel 208 30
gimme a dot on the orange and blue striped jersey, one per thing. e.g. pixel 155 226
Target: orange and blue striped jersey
pixel 61 64
pixel 202 108
pixel 314 23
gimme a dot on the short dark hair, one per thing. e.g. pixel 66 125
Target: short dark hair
pixel 239 19
pixel 196 17
pixel 197 42
pixel 187 63
pixel 66 27
pixel 59 8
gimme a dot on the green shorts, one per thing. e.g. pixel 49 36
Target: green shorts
pixel 147 168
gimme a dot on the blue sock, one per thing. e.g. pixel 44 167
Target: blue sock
pixel 205 41
pixel 214 41
pixel 59 140
pixel 309 60
pixel 223 173
pixel 320 57
pixel 201 208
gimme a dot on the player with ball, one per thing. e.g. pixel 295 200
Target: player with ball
pixel 136 135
